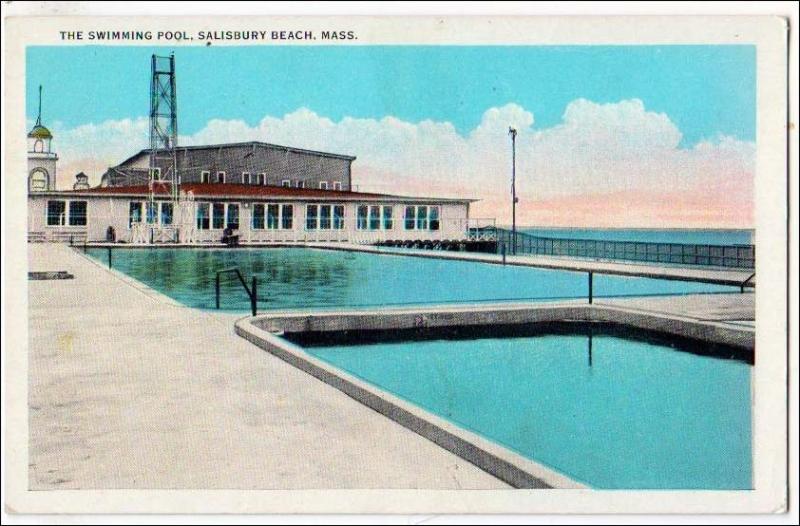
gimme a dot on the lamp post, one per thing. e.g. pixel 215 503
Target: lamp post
pixel 513 133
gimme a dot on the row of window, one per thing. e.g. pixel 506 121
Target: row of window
pixel 217 216
pixel 274 216
pixel 269 216
pixel 66 213
pixel 260 179
pixel 158 212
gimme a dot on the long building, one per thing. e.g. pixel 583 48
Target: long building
pixel 260 192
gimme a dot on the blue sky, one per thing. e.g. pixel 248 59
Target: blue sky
pixel 707 91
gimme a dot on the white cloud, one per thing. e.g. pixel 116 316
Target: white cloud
pixel 596 149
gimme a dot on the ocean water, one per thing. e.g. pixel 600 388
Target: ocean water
pixel 314 278
pixel 625 414
pixel 689 236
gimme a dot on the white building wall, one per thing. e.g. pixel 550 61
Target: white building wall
pixel 101 212
pixel 113 211
pixel 45 162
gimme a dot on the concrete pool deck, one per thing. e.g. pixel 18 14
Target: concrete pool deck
pixel 130 390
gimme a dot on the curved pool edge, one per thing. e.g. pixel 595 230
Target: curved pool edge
pixel 506 465
pixel 267 331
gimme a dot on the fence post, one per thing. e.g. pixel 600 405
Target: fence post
pixel 503 250
pixel 109 257
pixel 254 296
pixel 591 286
pixel 216 290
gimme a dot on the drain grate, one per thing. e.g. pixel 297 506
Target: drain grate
pixel 52 274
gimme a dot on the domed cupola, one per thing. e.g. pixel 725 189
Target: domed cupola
pixel 41 158
pixel 39 138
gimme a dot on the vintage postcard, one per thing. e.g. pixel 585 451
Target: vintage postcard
pixel 405 265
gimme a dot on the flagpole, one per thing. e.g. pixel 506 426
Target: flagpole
pixel 513 133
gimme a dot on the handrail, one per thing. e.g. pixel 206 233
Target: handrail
pixel 746 282
pixel 702 254
pixel 591 273
pixel 252 291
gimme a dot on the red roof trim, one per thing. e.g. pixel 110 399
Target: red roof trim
pixel 203 190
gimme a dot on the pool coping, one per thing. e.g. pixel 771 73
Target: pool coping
pixel 265 331
pixel 732 277
pixel 132 282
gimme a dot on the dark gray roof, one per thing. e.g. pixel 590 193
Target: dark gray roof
pixel 179 149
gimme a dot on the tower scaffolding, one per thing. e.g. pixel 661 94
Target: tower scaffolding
pixel 163 163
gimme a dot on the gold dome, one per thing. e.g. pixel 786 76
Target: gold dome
pixel 40 132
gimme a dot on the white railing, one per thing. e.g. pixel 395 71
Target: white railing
pixel 65 234
pixel 187 233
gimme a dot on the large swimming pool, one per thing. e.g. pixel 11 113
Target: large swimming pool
pixel 606 410
pixel 315 278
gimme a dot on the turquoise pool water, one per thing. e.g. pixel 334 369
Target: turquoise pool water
pixel 627 414
pixel 312 278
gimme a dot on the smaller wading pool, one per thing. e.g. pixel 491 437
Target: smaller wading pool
pixel 606 405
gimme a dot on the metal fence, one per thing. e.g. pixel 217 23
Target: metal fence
pixel 730 256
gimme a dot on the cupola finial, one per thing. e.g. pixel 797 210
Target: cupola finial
pixel 39 116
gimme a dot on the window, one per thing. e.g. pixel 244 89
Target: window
pixel 312 214
pixel 220 177
pixel 203 216
pixel 433 217
pixel 166 214
pixel 56 213
pixel 324 217
pixel 388 221
pixel 258 216
pixel 66 213
pixel 155 174
pixel 159 212
pixel 374 217
pixel 409 218
pixel 287 212
pixel 205 176
pixel 134 213
pixel 38 180
pixel 38 146
pixel 272 216
pixel 338 217
pixel 77 213
pixel 337 185
pixel 361 217
pixel 323 185
pixel 286 183
pixel 262 179
pixel 152 212
pixel 245 177
pixel 422 218
pixel 299 184
pixel 232 216
pixel 218 215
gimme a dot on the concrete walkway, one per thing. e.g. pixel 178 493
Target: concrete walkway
pixel 720 276
pixel 726 309
pixel 128 391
